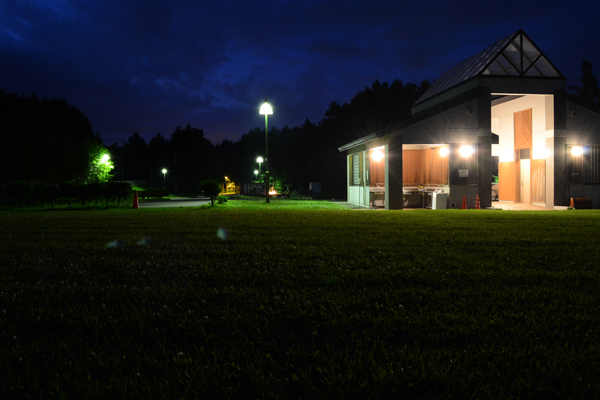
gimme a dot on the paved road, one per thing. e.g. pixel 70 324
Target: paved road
pixel 200 201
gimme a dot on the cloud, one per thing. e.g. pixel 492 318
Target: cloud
pixel 150 66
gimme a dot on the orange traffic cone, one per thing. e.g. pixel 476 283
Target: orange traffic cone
pixel 464 204
pixel 136 203
pixel 477 204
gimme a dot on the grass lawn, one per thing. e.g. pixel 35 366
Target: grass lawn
pixel 299 299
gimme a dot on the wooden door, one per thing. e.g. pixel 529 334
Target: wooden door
pixel 525 181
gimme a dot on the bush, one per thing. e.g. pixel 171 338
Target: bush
pixel 90 191
pixel 19 192
pixel 211 188
pixel 44 192
pixel 153 193
pixel 68 190
pixel 117 189
pixel 221 199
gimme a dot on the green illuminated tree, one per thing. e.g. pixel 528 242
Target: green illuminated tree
pixel 100 164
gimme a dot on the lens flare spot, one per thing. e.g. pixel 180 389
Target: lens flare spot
pixel 142 242
pixel 113 244
pixel 221 234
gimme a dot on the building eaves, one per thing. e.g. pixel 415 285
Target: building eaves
pixel 415 119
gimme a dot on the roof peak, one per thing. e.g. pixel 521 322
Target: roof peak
pixel 515 55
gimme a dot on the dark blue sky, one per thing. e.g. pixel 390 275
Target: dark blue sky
pixel 148 66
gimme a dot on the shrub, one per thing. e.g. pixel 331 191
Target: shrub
pixel 68 190
pixel 221 199
pixel 90 191
pixel 19 192
pixel 44 192
pixel 210 188
pixel 118 190
pixel 154 193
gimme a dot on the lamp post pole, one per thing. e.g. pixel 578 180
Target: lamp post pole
pixel 164 171
pixel 266 110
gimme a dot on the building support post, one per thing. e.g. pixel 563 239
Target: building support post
pixel 393 174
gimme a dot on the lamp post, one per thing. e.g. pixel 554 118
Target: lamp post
pixel 259 160
pixel 266 110
pixel 164 171
pixel 255 175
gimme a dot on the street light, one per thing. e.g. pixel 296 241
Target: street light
pixel 259 160
pixel 164 171
pixel 266 110
pixel 104 160
pixel 255 175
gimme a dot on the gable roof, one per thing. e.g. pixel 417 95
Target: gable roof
pixel 515 55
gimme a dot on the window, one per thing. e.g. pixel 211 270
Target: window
pixel 356 167
pixel 591 162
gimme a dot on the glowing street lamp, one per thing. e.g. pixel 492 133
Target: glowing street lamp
pixel 266 110
pixel 255 175
pixel 164 171
pixel 259 160
pixel 104 161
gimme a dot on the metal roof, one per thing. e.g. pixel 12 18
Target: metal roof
pixel 515 55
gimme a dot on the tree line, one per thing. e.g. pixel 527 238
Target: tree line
pixel 298 155
pixel 52 142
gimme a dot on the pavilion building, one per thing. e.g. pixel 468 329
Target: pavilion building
pixel 506 112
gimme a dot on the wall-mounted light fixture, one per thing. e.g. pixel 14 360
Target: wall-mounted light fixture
pixel 377 155
pixel 444 151
pixel 576 151
pixel 466 150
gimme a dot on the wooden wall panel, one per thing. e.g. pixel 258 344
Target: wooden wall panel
pixel 506 181
pixel 523 129
pixel 411 167
pixel 439 175
pixel 376 170
pixel 434 168
pixel 538 181
pixel 424 167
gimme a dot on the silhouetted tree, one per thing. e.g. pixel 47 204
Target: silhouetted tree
pixel 43 139
pixel 589 91
pixel 194 158
pixel 210 188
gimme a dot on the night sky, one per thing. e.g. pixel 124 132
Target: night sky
pixel 148 66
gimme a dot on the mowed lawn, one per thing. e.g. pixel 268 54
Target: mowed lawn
pixel 299 300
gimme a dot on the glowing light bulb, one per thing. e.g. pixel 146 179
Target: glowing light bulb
pixel 466 150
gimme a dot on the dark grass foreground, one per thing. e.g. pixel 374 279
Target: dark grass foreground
pixel 291 302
